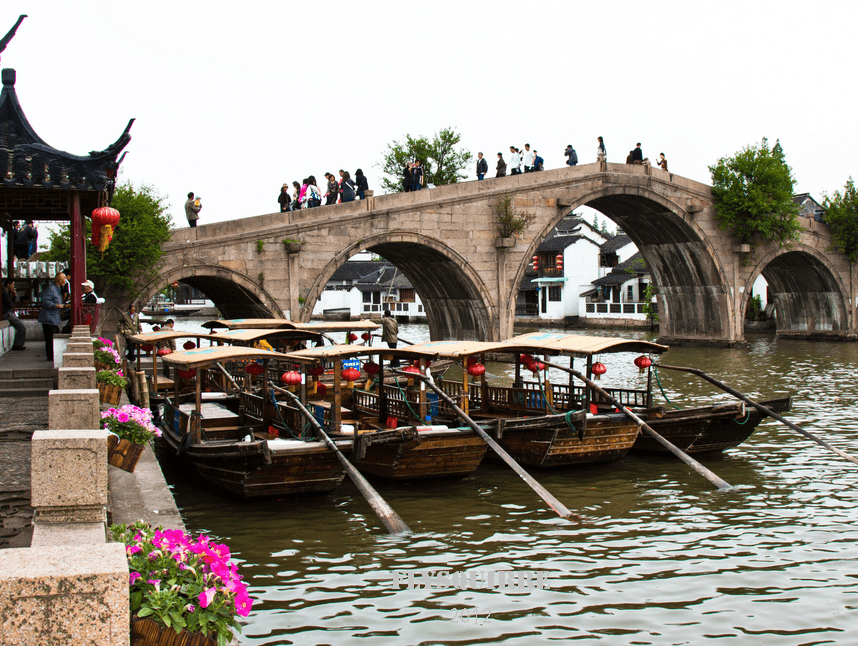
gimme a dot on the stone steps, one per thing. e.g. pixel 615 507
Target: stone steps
pixel 27 382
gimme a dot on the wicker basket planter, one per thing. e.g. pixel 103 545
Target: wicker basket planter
pixel 109 394
pixel 145 632
pixel 124 455
pixel 100 366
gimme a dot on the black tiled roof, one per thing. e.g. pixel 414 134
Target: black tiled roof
pixel 617 242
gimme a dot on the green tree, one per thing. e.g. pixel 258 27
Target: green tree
pixel 442 162
pixel 131 259
pixel 753 195
pixel 841 215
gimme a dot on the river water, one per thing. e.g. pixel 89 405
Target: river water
pixel 657 555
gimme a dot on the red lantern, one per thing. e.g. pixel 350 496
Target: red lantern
pixel 536 367
pixel 414 370
pixel 366 336
pixel 598 369
pixel 371 368
pixel 187 374
pixel 104 220
pixel 254 368
pixel 321 390
pixel 476 369
pixel 643 362
pixel 157 328
pixel 527 359
pixel 536 263
pixel 316 371
pixel 163 352
pixel 352 337
pixel 560 261
pixel 189 345
pixel 291 378
pixel 147 348
pixel 350 375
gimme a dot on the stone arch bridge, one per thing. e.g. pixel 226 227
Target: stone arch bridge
pixel 445 240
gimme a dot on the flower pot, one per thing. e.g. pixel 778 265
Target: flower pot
pixel 145 632
pixel 100 366
pixel 123 454
pixel 109 394
pixel 505 243
pixel 294 247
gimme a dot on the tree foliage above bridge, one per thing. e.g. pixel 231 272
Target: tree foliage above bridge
pixel 131 259
pixel 841 214
pixel 753 195
pixel 442 162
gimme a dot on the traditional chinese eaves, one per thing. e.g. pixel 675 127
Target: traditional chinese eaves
pixel 41 176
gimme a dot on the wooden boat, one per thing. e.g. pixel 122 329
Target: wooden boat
pixel 438 450
pixel 238 451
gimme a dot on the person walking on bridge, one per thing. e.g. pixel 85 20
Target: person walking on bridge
pixel 501 167
pixel 637 154
pixel 192 209
pixel 482 167
pixel 527 158
pixel 601 153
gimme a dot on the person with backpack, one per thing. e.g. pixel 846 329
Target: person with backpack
pixel 538 162
pixel 347 187
pixel 571 155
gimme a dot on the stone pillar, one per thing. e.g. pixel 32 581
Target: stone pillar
pixel 78 359
pixel 74 409
pixel 64 595
pixel 69 476
pixel 78 346
pixel 76 379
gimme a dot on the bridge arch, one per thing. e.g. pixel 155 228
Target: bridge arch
pixel 233 293
pixel 809 295
pixel 457 302
pixel 685 266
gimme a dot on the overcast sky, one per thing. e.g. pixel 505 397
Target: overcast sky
pixel 234 99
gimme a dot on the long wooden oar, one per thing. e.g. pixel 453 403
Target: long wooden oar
pixel 398 338
pixel 761 408
pixel 543 493
pixel 229 377
pixel 390 519
pixel 670 446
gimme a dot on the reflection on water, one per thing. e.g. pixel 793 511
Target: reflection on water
pixel 658 557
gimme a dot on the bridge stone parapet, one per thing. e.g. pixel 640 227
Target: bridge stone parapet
pixel 445 240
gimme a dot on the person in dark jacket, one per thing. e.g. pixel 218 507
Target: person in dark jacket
pixel 572 156
pixel 637 154
pixel 416 176
pixel 406 177
pixel 482 167
pixel 26 241
pixel 283 199
pixel 501 167
pixel 362 184
pixel 347 187
pixel 333 189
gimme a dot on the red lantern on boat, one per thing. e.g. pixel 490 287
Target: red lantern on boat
pixel 598 369
pixel 187 374
pixel 321 390
pixel 104 220
pixel 526 359
pixel 352 337
pixel 476 369
pixel 291 379
pixel 147 348
pixel 351 375
pixel 189 345
pixel 371 368
pixel 366 336
pixel 316 371
pixel 157 328
pixel 414 370
pixel 536 367
pixel 254 368
pixel 643 362
pixel 163 352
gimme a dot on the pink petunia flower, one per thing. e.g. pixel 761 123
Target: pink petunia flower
pixel 206 597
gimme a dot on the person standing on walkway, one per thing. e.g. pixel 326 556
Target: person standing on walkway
pixel 662 162
pixel 538 162
pixel 333 189
pixel 192 209
pixel 49 315
pixel 482 167
pixel 601 153
pixel 26 240
pixel 283 199
pixel 89 297
pixel 501 167
pixel 9 298
pixel 128 327
pixel 406 178
pixel 361 184
pixel 527 158
pixel 637 154
pixel 416 176
pixel 514 161
pixel 572 156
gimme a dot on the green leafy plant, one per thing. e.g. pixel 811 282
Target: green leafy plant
pixel 755 306
pixel 301 301
pixel 753 195
pixel 261 277
pixel 130 423
pixel 111 377
pixel 649 307
pixel 841 215
pixel 442 163
pixel 107 355
pixel 259 245
pixel 183 581
pixel 510 221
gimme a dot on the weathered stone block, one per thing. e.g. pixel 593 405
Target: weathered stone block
pixel 69 469
pixel 64 595
pixel 73 409
pixel 76 379
pixel 79 346
pixel 77 360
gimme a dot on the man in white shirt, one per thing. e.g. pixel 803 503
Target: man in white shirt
pixel 514 161
pixel 528 159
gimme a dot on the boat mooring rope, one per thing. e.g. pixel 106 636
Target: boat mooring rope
pixel 664 394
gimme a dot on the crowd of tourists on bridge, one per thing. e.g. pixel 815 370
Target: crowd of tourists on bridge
pixel 308 194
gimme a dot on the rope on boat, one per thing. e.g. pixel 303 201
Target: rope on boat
pixel 301 435
pixel 747 417
pixel 664 394
pixel 407 403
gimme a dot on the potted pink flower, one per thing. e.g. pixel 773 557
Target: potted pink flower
pixel 131 428
pixel 181 583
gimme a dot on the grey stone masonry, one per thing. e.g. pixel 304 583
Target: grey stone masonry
pixel 78 359
pixel 73 409
pixel 76 379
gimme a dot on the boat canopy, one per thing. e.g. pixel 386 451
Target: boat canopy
pixel 253 335
pixel 150 338
pixel 204 357
pixel 578 345
pixel 314 326
pixel 345 351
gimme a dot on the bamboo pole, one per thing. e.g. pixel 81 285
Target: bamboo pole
pixel 385 513
pixel 762 409
pixel 682 455
pixel 559 508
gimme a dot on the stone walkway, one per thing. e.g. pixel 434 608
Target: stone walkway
pixel 21 417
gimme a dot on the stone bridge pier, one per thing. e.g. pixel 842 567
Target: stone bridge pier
pixel 445 241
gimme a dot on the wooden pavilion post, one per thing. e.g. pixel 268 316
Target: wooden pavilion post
pixel 78 257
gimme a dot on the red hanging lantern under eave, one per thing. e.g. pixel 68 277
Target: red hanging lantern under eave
pixel 352 337
pixel 254 368
pixel 598 369
pixel 350 375
pixel 104 220
pixel 291 378
pixel 643 362
pixel 316 371
pixel 476 369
